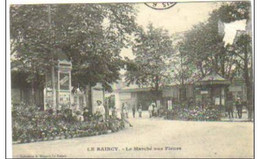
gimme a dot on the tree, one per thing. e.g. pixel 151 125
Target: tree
pixel 152 49
pixel 91 35
pixel 94 47
pixel 204 45
pixel 30 43
pixel 205 48
pixel 242 49
pixel 182 72
pixel 232 11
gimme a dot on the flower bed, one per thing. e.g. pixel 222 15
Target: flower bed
pixel 30 125
pixel 193 114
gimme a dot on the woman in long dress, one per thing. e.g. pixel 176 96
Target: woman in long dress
pixel 101 110
pixel 123 115
pixel 150 110
pixel 140 110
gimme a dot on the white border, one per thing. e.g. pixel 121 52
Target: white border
pixel 2 86
pixel 2 64
pixel 106 1
pixel 8 89
pixel 257 77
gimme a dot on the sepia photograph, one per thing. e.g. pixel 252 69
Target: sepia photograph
pixel 132 80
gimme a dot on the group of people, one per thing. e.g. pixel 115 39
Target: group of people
pixel 234 103
pixel 125 110
pixel 100 112
pixel 153 110
pixel 139 109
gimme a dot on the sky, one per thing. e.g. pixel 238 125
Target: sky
pixel 231 28
pixel 181 18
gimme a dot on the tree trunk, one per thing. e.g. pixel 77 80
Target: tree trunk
pixel 222 69
pixel 33 93
pixel 89 99
pixel 156 88
pixel 21 94
pixel 249 103
pixel 182 81
pixel 53 87
pixel 201 70
pixel 106 105
pixel 33 85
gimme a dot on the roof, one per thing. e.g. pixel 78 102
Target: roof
pixel 212 78
pixel 129 90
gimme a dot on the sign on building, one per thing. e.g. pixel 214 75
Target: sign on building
pixel 204 92
pixel 235 89
pixel 169 103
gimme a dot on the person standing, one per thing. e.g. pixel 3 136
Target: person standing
pixel 126 110
pixel 140 109
pixel 114 112
pixel 110 111
pixel 123 116
pixel 133 110
pixel 155 111
pixel 150 110
pixel 101 110
pixel 239 107
pixel 229 105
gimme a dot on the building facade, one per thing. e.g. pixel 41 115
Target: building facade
pixel 212 89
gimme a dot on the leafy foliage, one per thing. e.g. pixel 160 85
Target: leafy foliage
pixel 233 11
pixel 204 47
pixel 30 124
pixel 90 35
pixel 152 49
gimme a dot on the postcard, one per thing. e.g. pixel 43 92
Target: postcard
pixel 131 79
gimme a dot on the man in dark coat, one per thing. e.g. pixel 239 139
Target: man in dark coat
pixel 239 107
pixel 133 110
pixel 229 105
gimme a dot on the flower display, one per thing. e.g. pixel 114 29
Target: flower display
pixel 30 124
pixel 193 114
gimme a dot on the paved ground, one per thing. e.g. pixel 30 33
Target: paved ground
pixel 171 139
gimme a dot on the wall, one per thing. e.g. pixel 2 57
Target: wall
pixel 25 95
